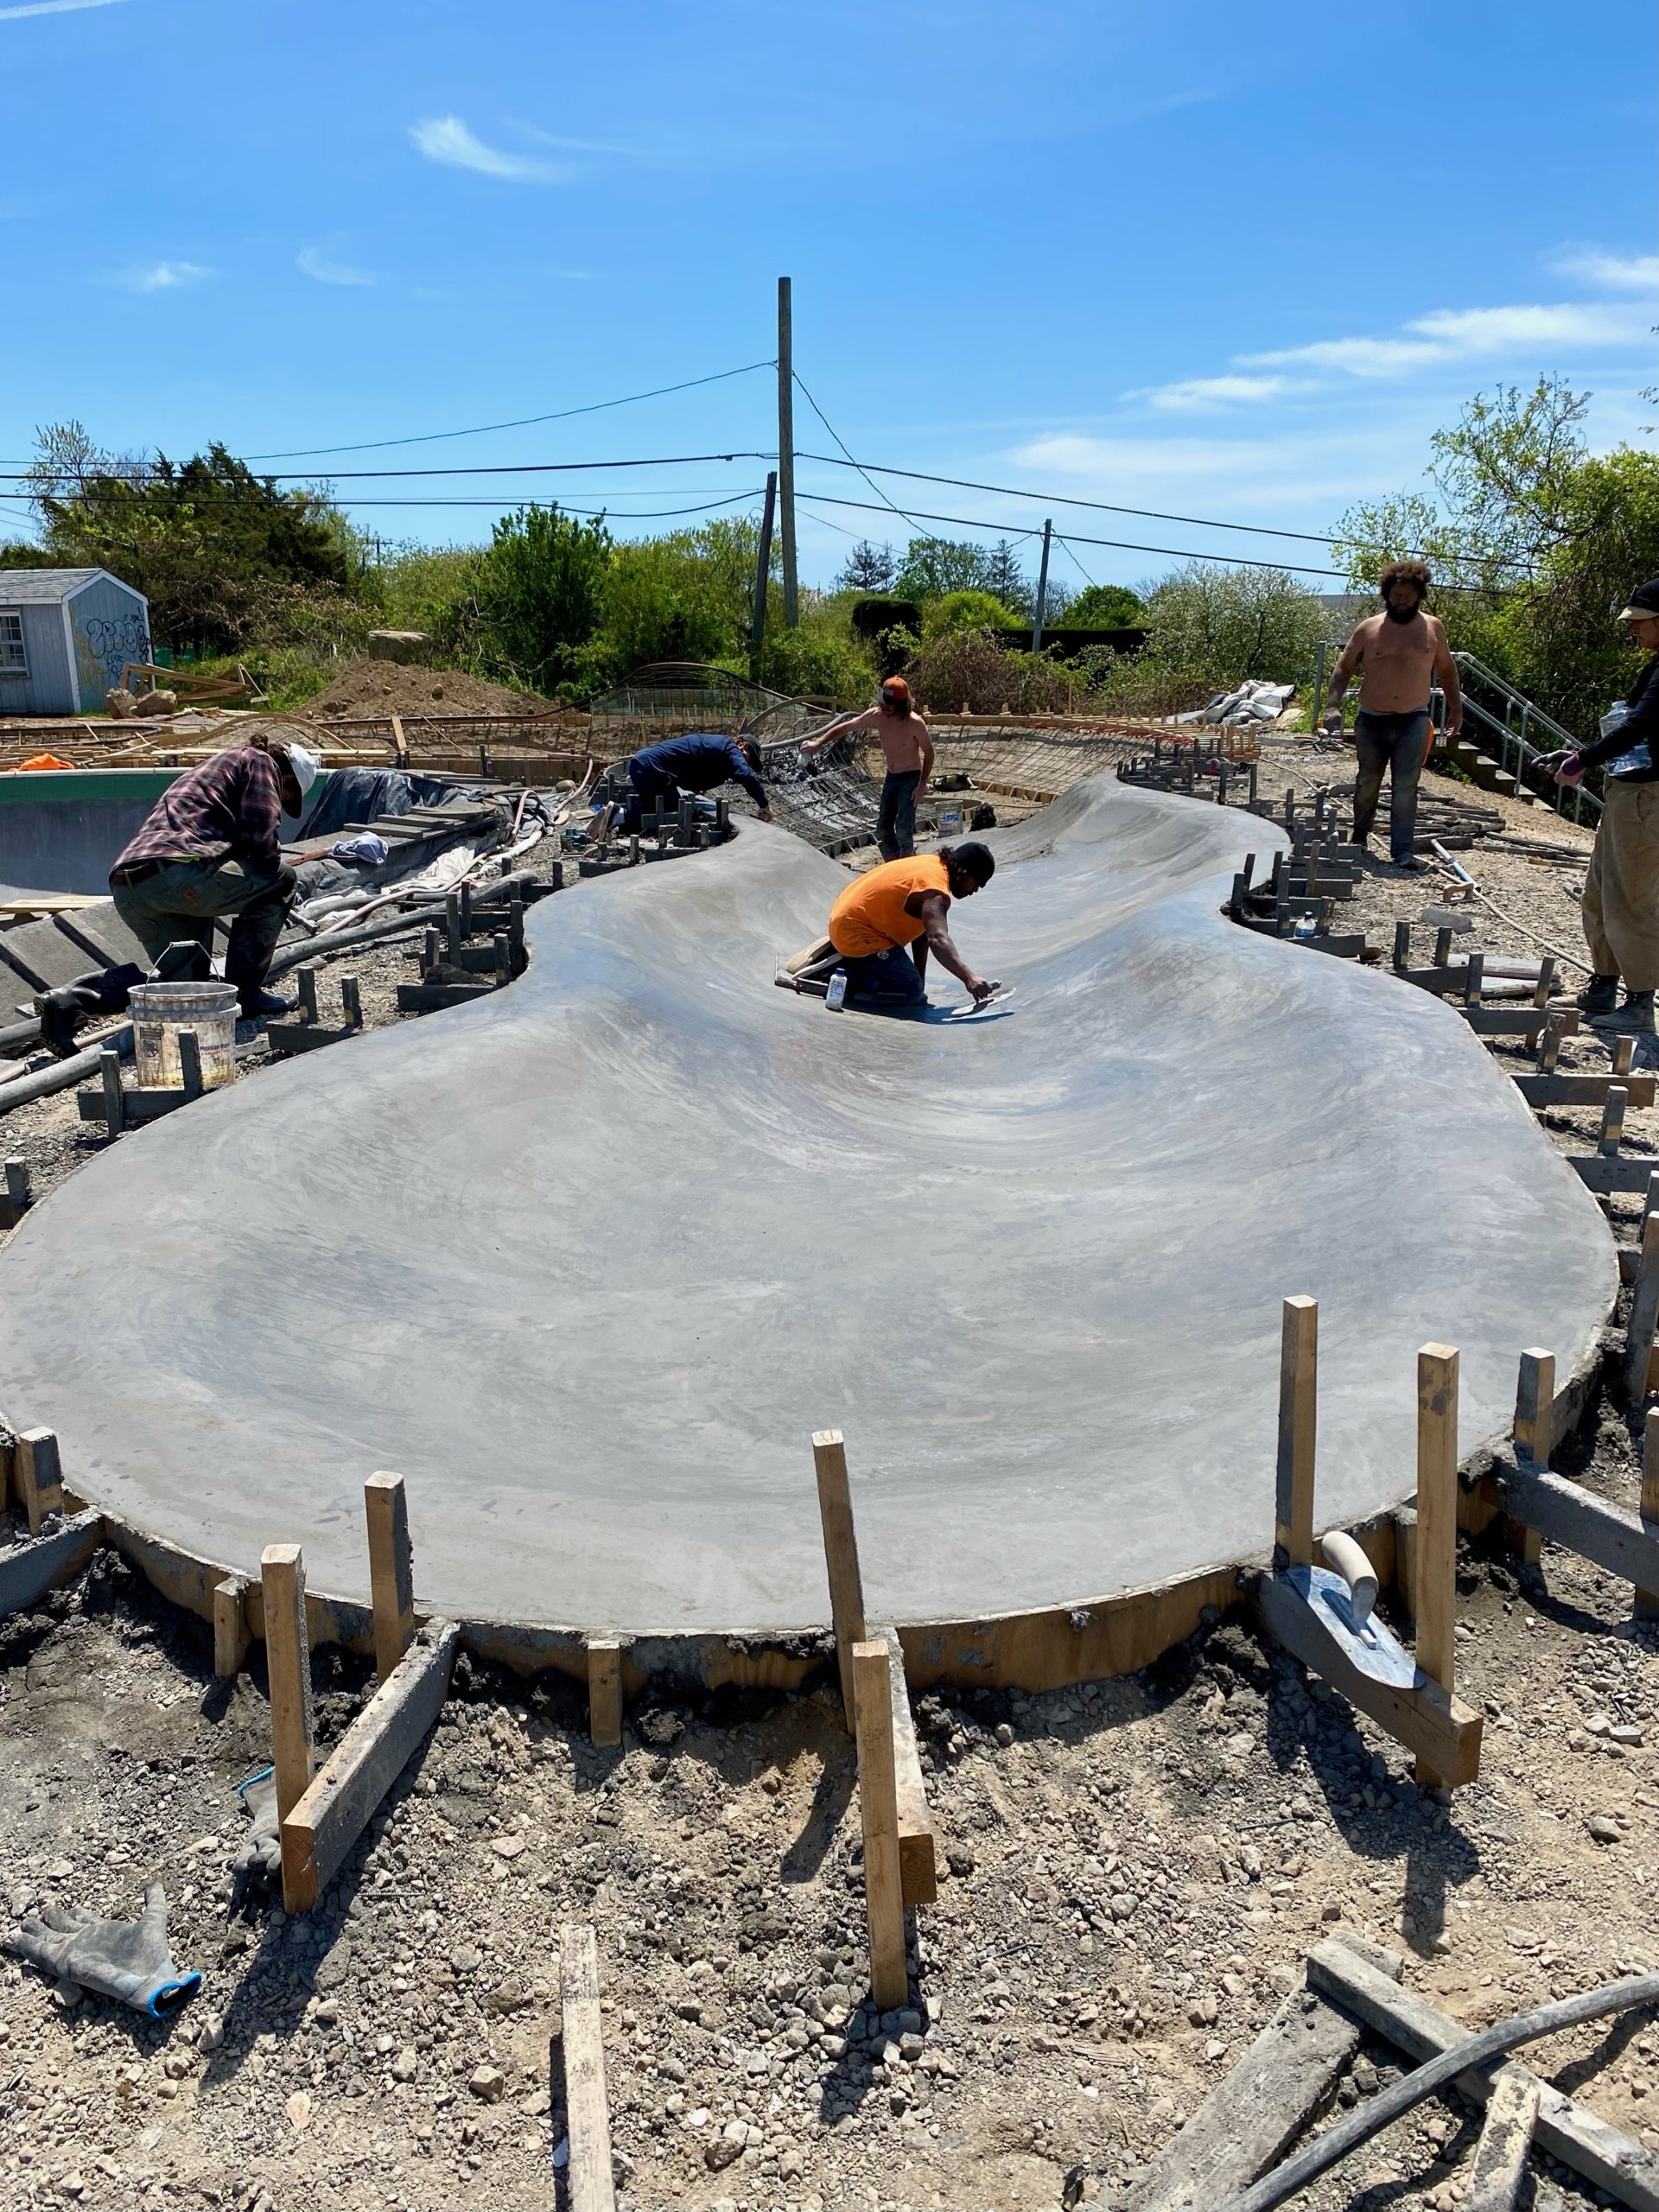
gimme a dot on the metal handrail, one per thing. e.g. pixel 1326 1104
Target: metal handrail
pixel 1519 740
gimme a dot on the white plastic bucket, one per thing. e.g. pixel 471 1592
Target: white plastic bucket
pixel 160 1010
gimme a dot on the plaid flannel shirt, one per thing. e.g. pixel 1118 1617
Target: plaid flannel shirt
pixel 231 808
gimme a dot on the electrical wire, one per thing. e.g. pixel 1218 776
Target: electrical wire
pixel 1075 563
pixel 523 422
pixel 846 449
pixel 493 468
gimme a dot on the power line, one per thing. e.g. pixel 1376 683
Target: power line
pixel 842 442
pixel 523 422
pixel 376 475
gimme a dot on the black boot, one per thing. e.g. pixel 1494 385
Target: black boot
pixel 1600 998
pixel 1637 1013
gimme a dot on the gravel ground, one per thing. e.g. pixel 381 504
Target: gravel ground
pixel 1133 1873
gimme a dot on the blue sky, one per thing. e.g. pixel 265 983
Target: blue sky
pixel 1237 262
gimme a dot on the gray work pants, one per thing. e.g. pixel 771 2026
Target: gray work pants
pixel 184 898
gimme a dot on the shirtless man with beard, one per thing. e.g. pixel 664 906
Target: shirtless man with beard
pixel 1403 650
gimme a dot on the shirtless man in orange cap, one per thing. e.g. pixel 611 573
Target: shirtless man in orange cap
pixel 908 751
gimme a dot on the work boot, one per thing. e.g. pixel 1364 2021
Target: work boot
pixel 1600 998
pixel 256 1005
pixel 1636 1014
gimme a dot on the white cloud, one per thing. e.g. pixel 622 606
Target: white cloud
pixel 447 139
pixel 315 263
pixel 164 277
pixel 51 8
pixel 1460 334
pixel 1212 395
pixel 1619 273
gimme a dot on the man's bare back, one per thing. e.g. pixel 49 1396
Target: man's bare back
pixel 905 745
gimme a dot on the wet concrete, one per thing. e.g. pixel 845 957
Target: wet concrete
pixel 589 1259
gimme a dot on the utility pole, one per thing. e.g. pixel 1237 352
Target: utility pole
pixel 1042 593
pixel 786 451
pixel 762 570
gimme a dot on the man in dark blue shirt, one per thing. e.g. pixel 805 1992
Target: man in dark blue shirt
pixel 661 773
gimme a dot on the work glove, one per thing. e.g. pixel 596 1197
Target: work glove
pixel 260 1858
pixel 125 1959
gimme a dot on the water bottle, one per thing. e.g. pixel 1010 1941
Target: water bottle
pixel 1639 759
pixel 1308 925
pixel 836 997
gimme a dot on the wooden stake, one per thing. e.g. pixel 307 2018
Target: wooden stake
pixel 40 1476
pixel 1644 1314
pixel 1535 1434
pixel 288 1661
pixel 1299 1358
pixel 1437 1519
pixel 190 1062
pixel 841 1556
pixel 1647 1601
pixel 879 1804
pixel 582 2042
pixel 1549 1049
pixel 230 1626
pixel 1546 978
pixel 114 1115
pixel 351 1002
pixel 1623 1054
pixel 605 1689
pixel 1612 1118
pixel 391 1569
pixel 306 980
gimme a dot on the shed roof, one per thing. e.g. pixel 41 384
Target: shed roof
pixel 46 586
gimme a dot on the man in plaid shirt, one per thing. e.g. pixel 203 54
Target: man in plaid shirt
pixel 211 846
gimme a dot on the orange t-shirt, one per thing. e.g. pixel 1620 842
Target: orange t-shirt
pixel 869 916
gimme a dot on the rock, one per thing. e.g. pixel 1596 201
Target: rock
pixel 298 2109
pixel 1627 1734
pixel 510 1996
pixel 405 2066
pixel 507 1847
pixel 406 645
pixel 727 2147
pixel 487 2083
pixel 465 1960
pixel 1004 1734
pixel 1604 1829
pixel 68 1993
pixel 910 2047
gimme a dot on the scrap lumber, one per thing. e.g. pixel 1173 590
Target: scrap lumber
pixel 879 1805
pixel 38 1474
pixel 391 1570
pixel 1436 1603
pixel 323 1824
pixel 917 1868
pixel 1505 2142
pixel 1602 2154
pixel 1584 1090
pixel 1299 1376
pixel 1610 1536
pixel 1255 2113
pixel 841 1556
pixel 29 1569
pixel 1606 1173
pixel 288 1661
pixel 581 2041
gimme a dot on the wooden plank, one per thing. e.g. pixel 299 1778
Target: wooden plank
pixel 1505 2141
pixel 1597 2151
pixel 322 1825
pixel 1299 1380
pixel 1519 1022
pixel 1534 1408
pixel 1583 1090
pixel 877 1803
pixel 39 1475
pixel 432 998
pixel 605 1689
pixel 230 1626
pixel 1644 1314
pixel 391 1569
pixel 288 1660
pixel 1436 1606
pixel 841 1557
pixel 1433 1723
pixel 1255 2113
pixel 1610 1536
pixel 918 1867
pixel 1628 1171
pixel 581 2042
pixel 28 1570
pixel 1647 1594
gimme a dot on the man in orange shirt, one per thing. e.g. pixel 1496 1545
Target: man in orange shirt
pixel 908 752
pixel 904 904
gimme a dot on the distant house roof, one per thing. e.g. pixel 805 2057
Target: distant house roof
pixel 46 586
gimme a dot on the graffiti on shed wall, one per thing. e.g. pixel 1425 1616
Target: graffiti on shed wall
pixel 104 647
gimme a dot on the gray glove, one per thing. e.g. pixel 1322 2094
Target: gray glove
pixel 261 1854
pixel 126 1958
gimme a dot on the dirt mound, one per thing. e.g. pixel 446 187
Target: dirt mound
pixel 384 687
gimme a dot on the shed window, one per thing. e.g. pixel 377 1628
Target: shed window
pixel 14 661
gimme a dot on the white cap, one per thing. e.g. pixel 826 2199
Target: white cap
pixel 305 765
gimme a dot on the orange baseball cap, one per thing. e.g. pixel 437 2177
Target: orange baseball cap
pixel 895 687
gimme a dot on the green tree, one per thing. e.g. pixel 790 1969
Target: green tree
pixel 870 568
pixel 967 610
pixel 1003 576
pixel 1534 541
pixel 1107 606
pixel 933 565
pixel 535 598
pixel 1227 625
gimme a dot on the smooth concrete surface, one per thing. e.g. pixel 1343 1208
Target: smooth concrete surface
pixel 588 1260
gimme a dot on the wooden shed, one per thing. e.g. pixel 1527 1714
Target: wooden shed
pixel 65 636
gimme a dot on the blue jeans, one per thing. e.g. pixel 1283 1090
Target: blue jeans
pixel 889 978
pixel 895 825
pixel 1398 743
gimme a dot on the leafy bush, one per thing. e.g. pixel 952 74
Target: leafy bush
pixel 968 667
pixel 1107 606
pixel 1221 626
pixel 817 661
pixel 532 601
pixel 966 610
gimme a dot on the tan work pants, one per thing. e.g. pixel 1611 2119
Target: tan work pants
pixel 1621 894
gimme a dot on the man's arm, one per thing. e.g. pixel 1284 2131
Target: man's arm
pixel 926 745
pixel 840 728
pixel 1343 675
pixel 937 938
pixel 259 812
pixel 745 777
pixel 1446 669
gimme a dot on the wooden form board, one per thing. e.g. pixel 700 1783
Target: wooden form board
pixel 1256 2111
pixel 28 1570
pixel 1505 2142
pixel 391 1569
pixel 917 1867
pixel 879 1806
pixel 1594 2148
pixel 581 2042
pixel 1610 1536
pixel 328 1820
pixel 605 1690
